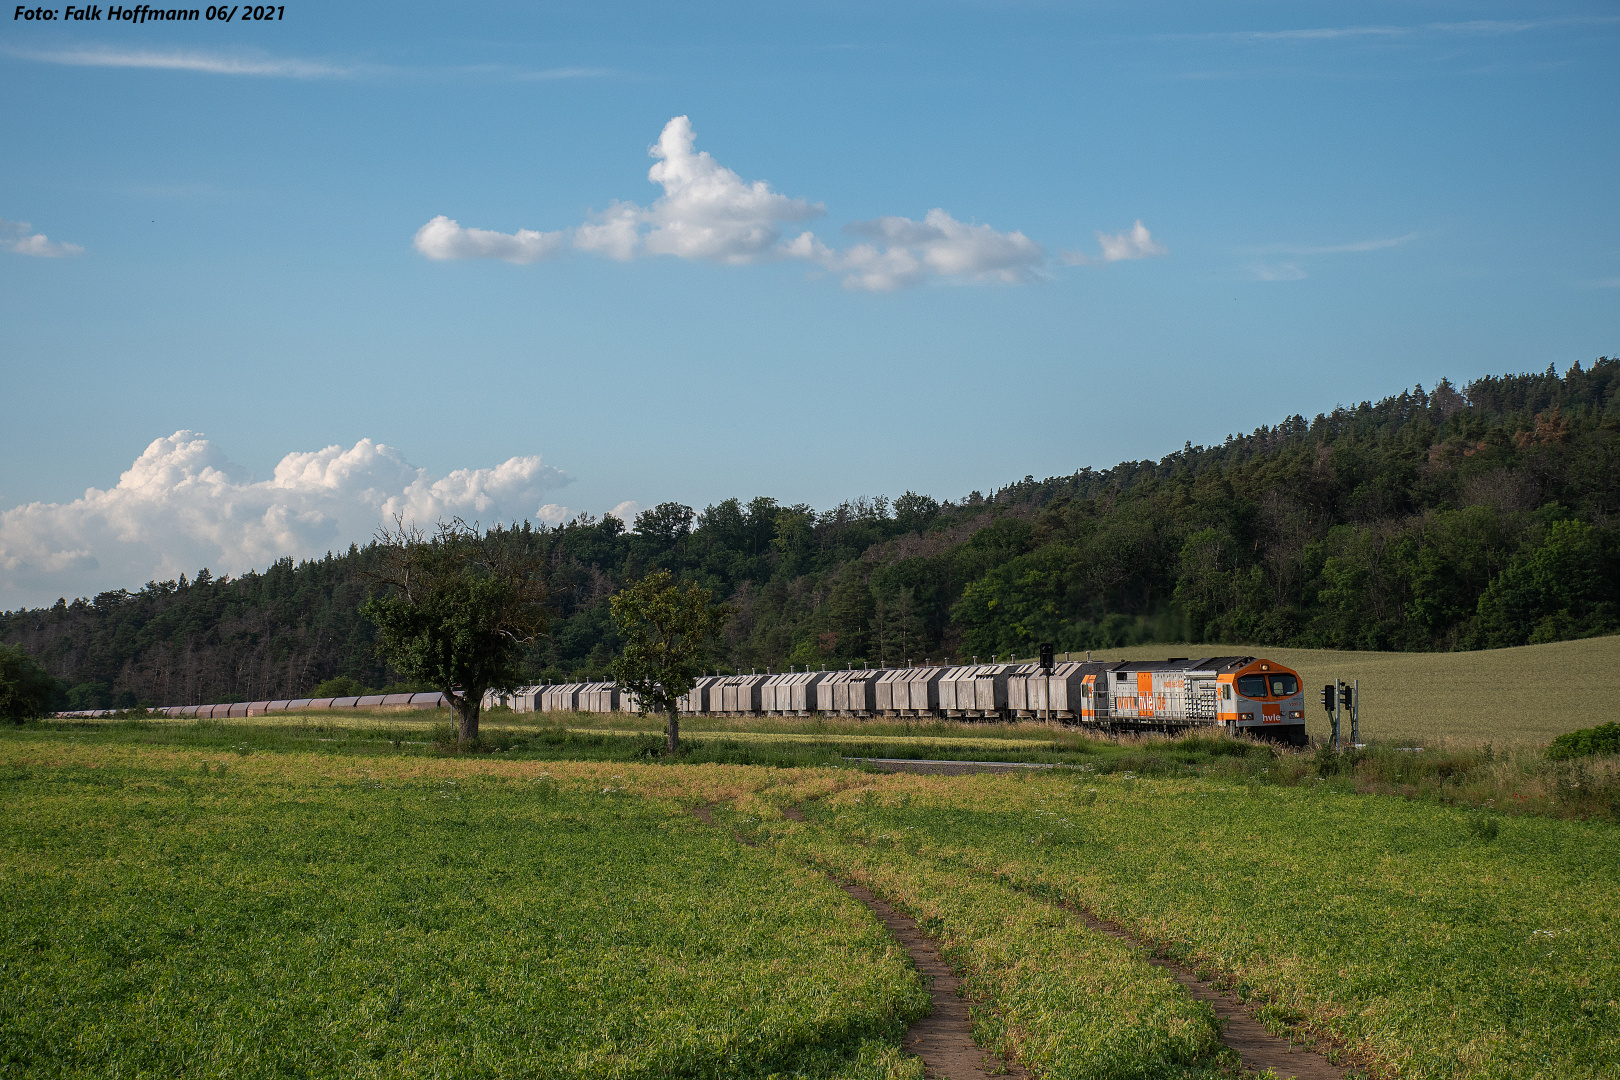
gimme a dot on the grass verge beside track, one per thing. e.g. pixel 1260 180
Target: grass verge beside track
pixel 1518 780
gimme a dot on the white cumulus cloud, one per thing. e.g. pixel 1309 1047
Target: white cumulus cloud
pixel 626 512
pixel 1134 243
pixel 909 252
pixel 19 237
pixel 443 238
pixel 182 506
pixel 615 232
pixel 708 212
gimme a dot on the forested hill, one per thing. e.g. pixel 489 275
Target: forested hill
pixel 1449 519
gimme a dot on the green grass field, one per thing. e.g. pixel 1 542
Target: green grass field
pixel 188 908
pixel 175 912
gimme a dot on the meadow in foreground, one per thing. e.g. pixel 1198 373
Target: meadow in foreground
pixel 181 913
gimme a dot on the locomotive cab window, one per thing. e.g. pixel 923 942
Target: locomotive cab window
pixel 1284 686
pixel 1226 691
pixel 1252 685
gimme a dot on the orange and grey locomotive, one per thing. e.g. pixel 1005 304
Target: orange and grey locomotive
pixel 1243 693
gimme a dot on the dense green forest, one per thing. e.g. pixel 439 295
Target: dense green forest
pixel 1450 519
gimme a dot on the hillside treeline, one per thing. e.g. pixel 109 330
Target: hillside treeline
pixel 1453 519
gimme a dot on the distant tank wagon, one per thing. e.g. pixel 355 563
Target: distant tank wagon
pixel 261 708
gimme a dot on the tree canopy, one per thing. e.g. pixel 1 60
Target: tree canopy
pixel 667 633
pixel 457 613
pixel 27 691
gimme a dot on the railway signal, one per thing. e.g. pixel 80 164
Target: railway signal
pixel 1336 708
pixel 1046 656
pixel 1345 699
pixel 1330 702
pixel 1355 714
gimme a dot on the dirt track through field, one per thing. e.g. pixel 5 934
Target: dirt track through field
pixel 944 1038
pixel 1259 1048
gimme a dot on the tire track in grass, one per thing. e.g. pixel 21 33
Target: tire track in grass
pixel 943 1038
pixel 1257 1047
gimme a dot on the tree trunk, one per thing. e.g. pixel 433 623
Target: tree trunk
pixel 466 709
pixel 674 732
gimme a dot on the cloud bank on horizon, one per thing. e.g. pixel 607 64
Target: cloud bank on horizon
pixel 707 212
pixel 181 506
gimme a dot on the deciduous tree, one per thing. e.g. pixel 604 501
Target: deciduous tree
pixel 458 610
pixel 667 632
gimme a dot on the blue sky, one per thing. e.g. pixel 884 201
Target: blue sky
pixel 215 228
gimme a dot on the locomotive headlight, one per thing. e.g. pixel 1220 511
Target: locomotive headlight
pixel 1296 714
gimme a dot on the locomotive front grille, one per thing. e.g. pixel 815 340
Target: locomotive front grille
pixel 1201 701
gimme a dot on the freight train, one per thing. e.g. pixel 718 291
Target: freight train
pixel 1243 694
